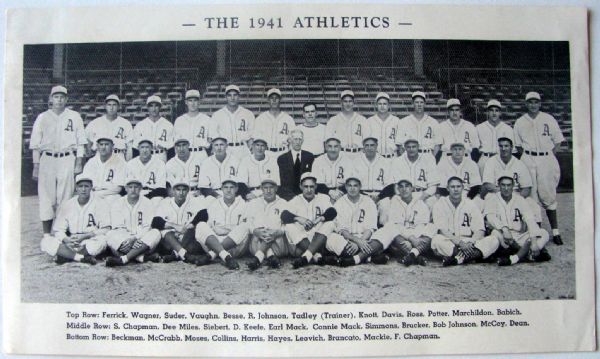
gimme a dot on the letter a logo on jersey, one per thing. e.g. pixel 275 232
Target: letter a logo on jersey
pixel 152 178
pixel 121 133
pixel 358 130
pixel 429 132
pixel 518 216
pixel 392 134
pixel 189 215
pixel 467 178
pixel 317 211
pixel 380 177
pixel 232 171
pixel 242 125
pixel 163 135
pixel 546 130
pixel 467 138
pixel 196 171
pixel 422 176
pixel 91 221
pixel 110 176
pixel 361 216
pixel 340 174
pixel 69 126
pixel 516 178
pixel 140 218
pixel 284 129
pixel 466 221
pixel 201 132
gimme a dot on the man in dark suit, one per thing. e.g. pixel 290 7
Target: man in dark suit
pixel 292 164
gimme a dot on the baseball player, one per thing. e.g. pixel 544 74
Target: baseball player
pixel 460 230
pixel 194 125
pixel 185 164
pixel 405 224
pixel 255 168
pixel 457 165
pixel 373 170
pixel 512 223
pixel 420 126
pixel 150 170
pixel 218 166
pixel 332 170
pixel 176 218
pixel 455 129
pixel 234 123
pixel 268 240
pixel 490 131
pixel 80 227
pixel 58 144
pixel 348 125
pixel 131 237
pixel 308 222
pixel 538 136
pixel 384 126
pixel 120 129
pixel 107 170
pixel 314 132
pixel 356 220
pixel 274 125
pixel 155 128
pixel 225 233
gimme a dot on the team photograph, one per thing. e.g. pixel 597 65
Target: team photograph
pixel 297 172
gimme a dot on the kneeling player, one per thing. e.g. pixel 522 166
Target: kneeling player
pixel 225 232
pixel 80 227
pixel 459 223
pixel 509 215
pixel 131 236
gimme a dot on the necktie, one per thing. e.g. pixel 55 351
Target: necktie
pixel 297 167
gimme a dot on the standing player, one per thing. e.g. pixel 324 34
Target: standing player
pixel 421 126
pixel 255 168
pixel 490 131
pixel 314 132
pixel 332 170
pixel 348 125
pixel 58 144
pixel 107 170
pixel 457 165
pixel 455 129
pixel 155 128
pixel 131 237
pixel 420 169
pixel 373 170
pixel 460 230
pixel 150 170
pixel 384 126
pixel 80 227
pixel 116 126
pixel 194 125
pixel 274 125
pixel 512 223
pixel 308 221
pixel 538 136
pixel 185 164
pixel 219 166
pixel 234 123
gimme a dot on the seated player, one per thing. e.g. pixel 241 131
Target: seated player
pixel 150 170
pixel 264 219
pixel 176 218
pixel 463 167
pixel 79 232
pixel 332 169
pixel 353 242
pixel 107 170
pixel 406 224
pixel 308 221
pixel 225 232
pixel 131 237
pixel 220 165
pixel 254 168
pixel 460 230
pixel 509 216
pixel 185 164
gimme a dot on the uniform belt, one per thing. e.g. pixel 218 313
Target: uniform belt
pixel 276 149
pixel 419 189
pixel 235 143
pixel 450 154
pixel 197 149
pixel 371 191
pixel 194 188
pixel 487 154
pixel 426 151
pixel 253 188
pixel 388 156
pixel 157 151
pixel 58 154
pixel 117 150
pixel 352 150
pixel 533 153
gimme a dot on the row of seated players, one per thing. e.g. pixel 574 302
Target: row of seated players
pixel 312 227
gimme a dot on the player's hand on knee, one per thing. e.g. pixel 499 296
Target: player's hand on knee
pixel 36 171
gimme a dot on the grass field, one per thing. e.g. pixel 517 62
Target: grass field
pixel 157 283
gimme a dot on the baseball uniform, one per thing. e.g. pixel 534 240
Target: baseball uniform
pixel 108 176
pixel 314 138
pixel 177 168
pixel 356 218
pixel 375 175
pixel 464 132
pixel 180 215
pixel 467 170
pixel 262 214
pixel 251 172
pixel 198 130
pixel 160 132
pixel 132 220
pixel 299 206
pixel 274 130
pixel 119 130
pixel 213 172
pixel 387 133
pixel 152 174
pixel 488 137
pixel 425 130
pixel 422 173
pixel 350 130
pixel 333 173
pixel 236 127
pixel 56 140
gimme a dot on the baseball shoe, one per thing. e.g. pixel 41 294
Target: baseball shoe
pixel 170 258
pixel 421 261
pixel 409 259
pixel 449 261
pixel 300 262
pixel 202 260
pixel 114 262
pixel 544 256
pixel 254 264
pixel 557 240
pixel 231 263
pixel 193 258
pixel 347 262
pixel 504 261
pixel 380 258
pixel 328 261
pixel 153 257
pixel 61 260
pixel 274 262
pixel 89 260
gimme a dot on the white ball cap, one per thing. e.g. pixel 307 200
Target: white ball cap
pixel 452 102
pixel 533 96
pixel 112 97
pixel 260 138
pixel 58 89
pixel 83 177
pixel 382 95
pixel 407 180
pixel 418 94
pixel 232 88
pixel 154 99
pixel 306 175
pixel 229 179
pixel 274 91
pixel 270 178
pixel 411 139
pixel 180 138
pixel 493 103
pixel 192 94
pixel 146 140
pixel 180 181
pixel 132 179
pixel 347 93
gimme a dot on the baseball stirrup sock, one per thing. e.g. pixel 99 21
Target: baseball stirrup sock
pixel 212 255
pixel 124 259
pixel 260 255
pixel 223 254
pixel 78 257
pixel 270 253
pixel 514 259
pixel 415 252
pixel 181 253
pixel 308 255
pixel 356 259
pixel 317 256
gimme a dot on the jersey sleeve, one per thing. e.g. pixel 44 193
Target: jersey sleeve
pixel 476 218
pixel 422 214
pixel 36 134
pixel 525 179
pixel 161 175
pixel 555 132
pixel 474 174
pixel 439 215
pixel 517 131
pixel 475 142
pixel 488 171
pixel 370 215
pixel 203 178
pixel 117 217
pixel 103 214
pixel 342 220
pixel 80 131
pixel 90 131
pixel 434 177
pixel 61 223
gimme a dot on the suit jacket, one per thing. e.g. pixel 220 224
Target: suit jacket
pixel 290 184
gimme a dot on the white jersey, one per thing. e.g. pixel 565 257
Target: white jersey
pixel 160 132
pixel 540 134
pixel 274 130
pixel 515 168
pixel 464 133
pixel 332 173
pixel 177 168
pixel 236 127
pixel 76 219
pixel 489 135
pixel 350 131
pixel 251 171
pixel 120 130
pixel 299 206
pixel 467 170
pixel 422 172
pixel 314 138
pixel 262 214
pixel 136 219
pixel 375 175
pixel 462 221
pixel 108 174
pixel 152 173
pixel 180 215
pixel 58 133
pixel 222 215
pixel 425 130
pixel 356 218
pixel 387 133
pixel 199 129
pixel 511 214
pixel 213 172
pixel 413 215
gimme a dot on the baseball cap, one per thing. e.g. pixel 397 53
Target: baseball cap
pixel 192 94
pixel 58 89
pixel 404 180
pixel 353 176
pixel 180 181
pixel 260 139
pixel 455 178
pixel 382 95
pixel 503 176
pixel 493 103
pixel 232 88
pixel 155 99
pixel 219 138
pixel 533 96
pixel 104 135
pixel 274 91
pixel 370 138
pixel 457 144
pixel 112 97
pixel 452 102
pixel 229 179
pixel 347 93
pixel 181 138
pixel 270 178
pixel 333 138
pixel 505 139
pixel 132 179
pixel 418 94
pixel 145 140
pixel 84 177
pixel 411 139
pixel 306 175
